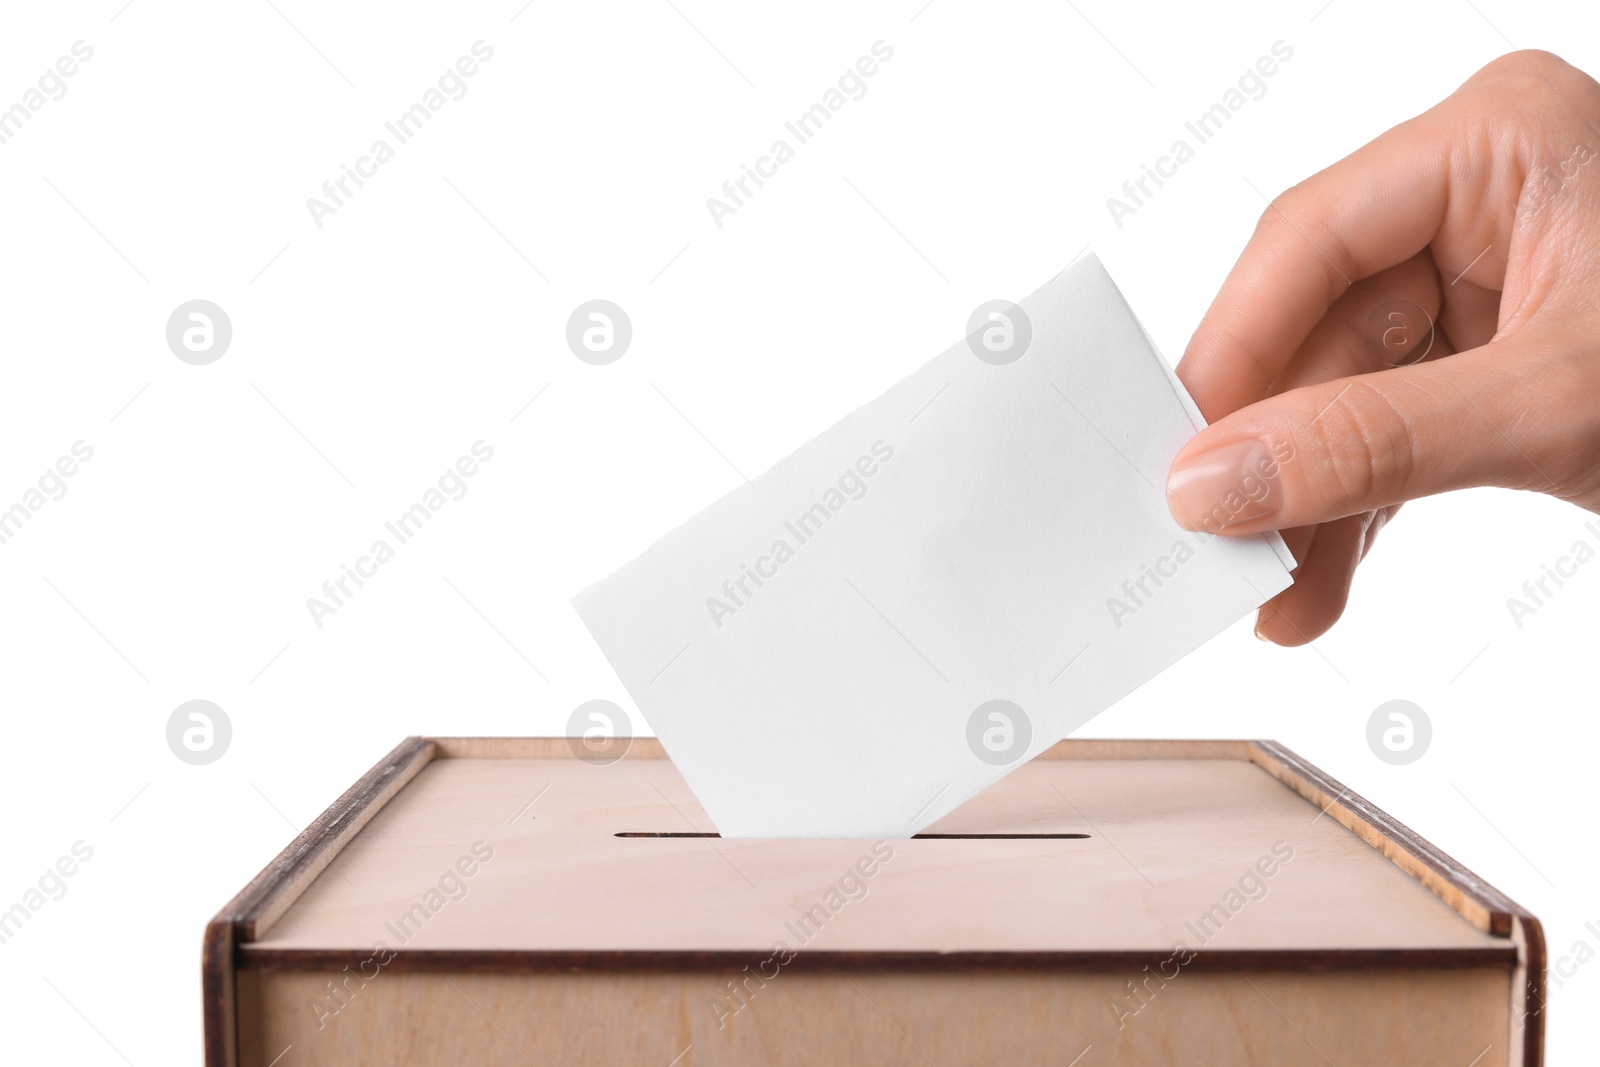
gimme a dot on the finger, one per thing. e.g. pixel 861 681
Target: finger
pixel 1322 452
pixel 1433 181
pixel 1298 540
pixel 1323 581
pixel 1384 321
pixel 1469 314
pixel 1380 519
pixel 1304 611
pixel 1377 207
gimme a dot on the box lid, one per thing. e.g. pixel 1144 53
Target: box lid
pixel 519 849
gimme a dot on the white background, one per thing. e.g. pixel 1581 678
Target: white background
pixel 415 322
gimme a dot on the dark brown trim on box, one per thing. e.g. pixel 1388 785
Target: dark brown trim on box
pixel 219 1005
pixel 1500 915
pixel 248 915
pixel 265 897
pixel 1534 989
pixel 1498 907
pixel 539 961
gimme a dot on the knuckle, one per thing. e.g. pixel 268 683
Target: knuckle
pixel 1536 73
pixel 1364 449
pixel 1519 66
pixel 1297 216
pixel 1282 207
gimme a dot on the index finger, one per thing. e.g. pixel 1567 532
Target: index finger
pixel 1377 207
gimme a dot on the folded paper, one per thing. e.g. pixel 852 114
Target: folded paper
pixel 939 586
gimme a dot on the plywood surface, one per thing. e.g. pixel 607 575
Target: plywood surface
pixel 1353 1019
pixel 1171 856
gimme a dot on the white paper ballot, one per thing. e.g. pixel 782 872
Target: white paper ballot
pixel 935 589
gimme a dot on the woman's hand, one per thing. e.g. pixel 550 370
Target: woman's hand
pixel 1423 315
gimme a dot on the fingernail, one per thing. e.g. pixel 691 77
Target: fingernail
pixel 1261 622
pixel 1225 487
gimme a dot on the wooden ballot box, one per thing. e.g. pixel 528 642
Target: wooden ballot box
pixel 515 901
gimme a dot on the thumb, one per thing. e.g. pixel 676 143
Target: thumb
pixel 1356 444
